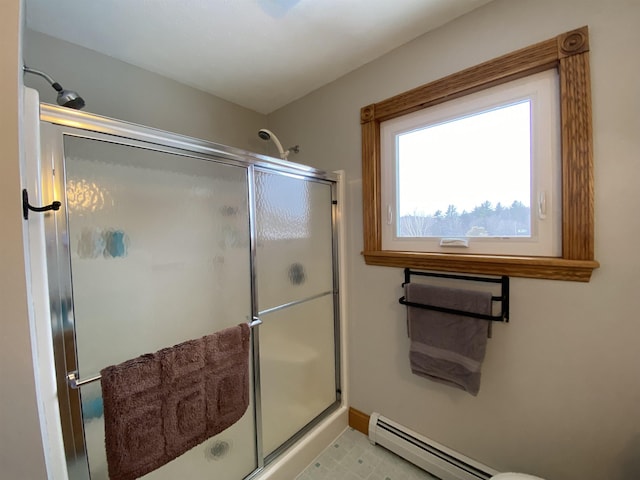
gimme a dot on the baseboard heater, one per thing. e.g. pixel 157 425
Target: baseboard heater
pixel 432 457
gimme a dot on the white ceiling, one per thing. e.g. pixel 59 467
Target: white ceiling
pixel 261 54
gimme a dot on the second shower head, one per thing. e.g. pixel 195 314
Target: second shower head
pixel 265 134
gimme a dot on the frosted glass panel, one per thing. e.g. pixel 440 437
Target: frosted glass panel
pixel 159 254
pixel 294 249
pixel 297 368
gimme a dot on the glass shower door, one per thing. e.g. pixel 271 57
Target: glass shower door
pixel 295 284
pixel 159 254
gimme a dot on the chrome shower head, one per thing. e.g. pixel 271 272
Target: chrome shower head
pixel 66 98
pixel 265 134
pixel 71 99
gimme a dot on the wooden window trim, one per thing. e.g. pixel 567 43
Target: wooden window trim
pixel 569 54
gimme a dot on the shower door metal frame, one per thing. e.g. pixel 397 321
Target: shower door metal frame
pixel 58 122
pixel 336 309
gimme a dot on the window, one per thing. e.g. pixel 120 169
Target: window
pixel 553 235
pixel 477 174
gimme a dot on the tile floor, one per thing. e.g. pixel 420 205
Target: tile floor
pixel 352 457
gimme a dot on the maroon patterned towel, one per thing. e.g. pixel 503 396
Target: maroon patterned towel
pixel 159 405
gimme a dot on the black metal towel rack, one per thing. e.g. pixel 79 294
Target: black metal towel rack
pixel 503 298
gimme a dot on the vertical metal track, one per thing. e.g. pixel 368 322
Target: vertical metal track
pixel 335 207
pixel 61 304
pixel 255 332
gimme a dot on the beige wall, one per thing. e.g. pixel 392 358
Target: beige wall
pixel 560 394
pixel 21 455
pixel 118 90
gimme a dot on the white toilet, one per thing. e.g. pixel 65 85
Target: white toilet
pixel 514 476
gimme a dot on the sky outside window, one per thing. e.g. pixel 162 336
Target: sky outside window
pixel 466 162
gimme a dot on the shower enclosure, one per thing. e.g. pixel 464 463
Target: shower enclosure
pixel 162 238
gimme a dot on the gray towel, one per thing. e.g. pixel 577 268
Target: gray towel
pixel 448 348
pixel 159 405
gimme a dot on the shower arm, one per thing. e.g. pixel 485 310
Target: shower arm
pixel 283 154
pixel 57 87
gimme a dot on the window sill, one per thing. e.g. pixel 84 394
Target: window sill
pixel 531 267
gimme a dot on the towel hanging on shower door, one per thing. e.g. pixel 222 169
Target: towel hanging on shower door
pixel 160 405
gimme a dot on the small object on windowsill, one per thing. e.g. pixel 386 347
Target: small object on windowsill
pixel 454 242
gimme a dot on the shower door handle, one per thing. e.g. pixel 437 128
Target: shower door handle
pixel 255 322
pixel 74 382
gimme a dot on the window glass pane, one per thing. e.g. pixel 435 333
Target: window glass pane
pixel 483 167
pixel 478 187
